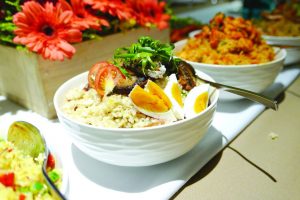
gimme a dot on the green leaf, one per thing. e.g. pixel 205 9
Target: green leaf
pixel 7 26
pixel 6 39
pixel 14 3
pixel 9 17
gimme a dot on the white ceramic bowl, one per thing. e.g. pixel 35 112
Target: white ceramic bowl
pixel 290 44
pixel 282 40
pixel 292 55
pixel 253 77
pixel 135 146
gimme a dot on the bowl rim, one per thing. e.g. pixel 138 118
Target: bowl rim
pixel 280 55
pixel 268 38
pixel 289 41
pixel 60 113
pixel 265 36
pixel 274 37
pixel 59 160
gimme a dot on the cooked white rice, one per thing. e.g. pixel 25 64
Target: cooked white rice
pixel 114 111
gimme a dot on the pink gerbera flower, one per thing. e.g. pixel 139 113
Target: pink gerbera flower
pixel 46 30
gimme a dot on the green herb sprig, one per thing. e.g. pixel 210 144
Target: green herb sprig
pixel 146 55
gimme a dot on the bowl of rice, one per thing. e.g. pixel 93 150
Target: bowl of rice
pixel 21 175
pixel 113 131
pixel 281 27
pixel 232 51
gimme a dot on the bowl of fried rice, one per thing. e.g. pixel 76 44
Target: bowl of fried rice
pixel 232 51
pixel 281 27
pixel 21 175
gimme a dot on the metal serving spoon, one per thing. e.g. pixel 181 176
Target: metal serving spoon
pixel 245 93
pixel 28 138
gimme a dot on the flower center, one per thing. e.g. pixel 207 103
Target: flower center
pixel 80 15
pixel 48 30
pixel 44 1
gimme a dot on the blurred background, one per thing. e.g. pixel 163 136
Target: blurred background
pixel 205 9
pixel 270 15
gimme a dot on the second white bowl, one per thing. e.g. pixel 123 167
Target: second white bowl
pixel 253 77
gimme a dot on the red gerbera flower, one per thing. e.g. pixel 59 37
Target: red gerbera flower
pixel 150 12
pixel 46 30
pixel 84 18
pixel 113 7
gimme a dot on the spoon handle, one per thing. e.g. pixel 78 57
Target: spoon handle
pixel 245 93
pixel 53 189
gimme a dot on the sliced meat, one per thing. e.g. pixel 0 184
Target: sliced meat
pixel 186 75
pixel 125 86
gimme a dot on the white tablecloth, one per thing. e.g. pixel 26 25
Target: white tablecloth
pixel 92 179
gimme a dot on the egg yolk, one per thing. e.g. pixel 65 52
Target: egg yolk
pixel 201 102
pixel 152 98
pixel 177 94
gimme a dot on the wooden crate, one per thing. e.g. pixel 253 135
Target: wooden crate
pixel 29 80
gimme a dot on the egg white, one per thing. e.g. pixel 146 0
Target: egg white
pixel 167 116
pixel 190 100
pixel 176 107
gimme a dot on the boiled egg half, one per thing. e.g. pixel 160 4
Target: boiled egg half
pixel 173 91
pixel 196 101
pixel 152 101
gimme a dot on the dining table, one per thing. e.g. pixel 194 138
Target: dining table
pixel 249 152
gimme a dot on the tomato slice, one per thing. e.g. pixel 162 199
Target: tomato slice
pixel 50 162
pixel 93 72
pixel 7 179
pixel 107 77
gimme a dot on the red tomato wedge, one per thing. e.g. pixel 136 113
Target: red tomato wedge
pixel 103 76
pixel 93 71
pixel 51 162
